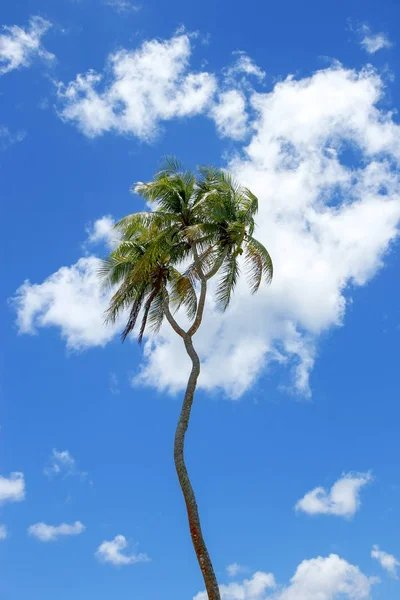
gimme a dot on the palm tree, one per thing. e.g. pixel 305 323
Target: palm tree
pixel 201 225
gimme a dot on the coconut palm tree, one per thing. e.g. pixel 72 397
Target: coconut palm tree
pixel 201 225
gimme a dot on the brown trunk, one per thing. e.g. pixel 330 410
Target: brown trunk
pixel 191 506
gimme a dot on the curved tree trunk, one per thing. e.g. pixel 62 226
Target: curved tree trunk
pixel 191 506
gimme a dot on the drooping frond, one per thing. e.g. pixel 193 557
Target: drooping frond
pixel 267 264
pixel 146 310
pixel 156 314
pixel 183 293
pixel 254 267
pixel 133 315
pixel 227 282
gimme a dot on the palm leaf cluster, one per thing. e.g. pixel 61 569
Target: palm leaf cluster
pixel 203 220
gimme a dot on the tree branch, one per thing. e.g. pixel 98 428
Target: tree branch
pixel 203 292
pixel 170 318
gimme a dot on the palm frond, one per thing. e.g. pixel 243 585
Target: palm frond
pixel 146 310
pixel 171 165
pixel 229 277
pixel 254 267
pixel 156 314
pixel 133 315
pixel 183 293
pixel 267 264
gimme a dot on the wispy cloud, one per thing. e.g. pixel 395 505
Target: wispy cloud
pixel 123 6
pixel 342 500
pixel 245 65
pixel 3 532
pixel 63 464
pixel 8 138
pixel 387 561
pixel 18 46
pixel 113 384
pixel 373 42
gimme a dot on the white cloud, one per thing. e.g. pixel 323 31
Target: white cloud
pixel 50 533
pixel 230 115
pixel 112 552
pixel 328 220
pixel 101 231
pixel 19 46
pixel 372 42
pixel 387 561
pixel 12 489
pixel 70 299
pixel 254 588
pixel 62 463
pixel 234 569
pixel 8 138
pixel 122 6
pixel 327 579
pixel 342 500
pixel 145 87
pixel 330 578
pixel 244 64
pixel 3 532
pixel 113 384
pixel 315 217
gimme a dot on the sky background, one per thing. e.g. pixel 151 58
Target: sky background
pixel 300 384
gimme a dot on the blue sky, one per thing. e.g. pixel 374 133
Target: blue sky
pixel 293 446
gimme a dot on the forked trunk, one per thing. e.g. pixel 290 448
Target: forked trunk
pixel 191 506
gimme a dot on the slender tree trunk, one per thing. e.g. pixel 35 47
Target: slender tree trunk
pixel 191 506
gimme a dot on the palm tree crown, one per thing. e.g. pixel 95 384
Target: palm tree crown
pixel 201 223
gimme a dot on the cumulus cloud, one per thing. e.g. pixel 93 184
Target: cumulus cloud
pixel 342 500
pixel 70 299
pixel 254 588
pixel 143 88
pixel 229 114
pixel 9 138
pixel 12 489
pixel 113 552
pixel 387 561
pixel 323 160
pixel 51 533
pixel 102 232
pixel 18 46
pixel 326 221
pixel 372 42
pixel 3 532
pixel 330 578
